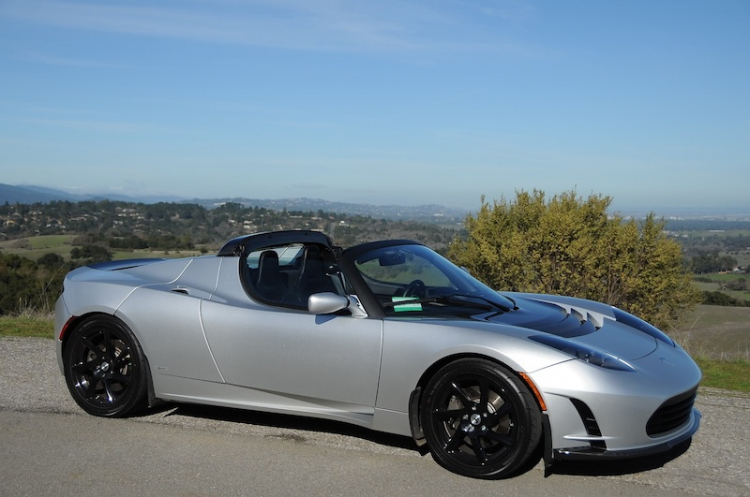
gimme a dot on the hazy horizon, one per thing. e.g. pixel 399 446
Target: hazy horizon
pixel 633 210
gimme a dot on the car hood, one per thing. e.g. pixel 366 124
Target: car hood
pixel 589 323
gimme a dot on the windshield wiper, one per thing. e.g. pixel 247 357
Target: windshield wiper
pixel 454 299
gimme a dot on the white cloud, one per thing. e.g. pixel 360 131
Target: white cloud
pixel 289 24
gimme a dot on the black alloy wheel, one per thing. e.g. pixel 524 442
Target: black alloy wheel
pixel 105 368
pixel 479 419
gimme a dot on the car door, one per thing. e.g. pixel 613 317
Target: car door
pixel 270 343
pixel 301 360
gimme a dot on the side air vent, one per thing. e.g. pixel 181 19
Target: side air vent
pixel 672 414
pixel 589 421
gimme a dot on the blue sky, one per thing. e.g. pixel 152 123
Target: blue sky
pixel 381 102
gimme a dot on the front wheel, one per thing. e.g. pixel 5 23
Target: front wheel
pixel 479 419
pixel 105 368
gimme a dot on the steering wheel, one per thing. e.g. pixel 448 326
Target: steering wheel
pixel 415 289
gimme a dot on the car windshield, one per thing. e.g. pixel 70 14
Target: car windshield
pixel 409 279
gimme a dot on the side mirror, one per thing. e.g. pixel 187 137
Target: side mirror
pixel 326 303
pixel 331 303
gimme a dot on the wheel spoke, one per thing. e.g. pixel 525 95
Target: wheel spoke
pixel 82 367
pixel 91 347
pixel 122 360
pixel 479 451
pixel 484 392
pixel 447 415
pixel 109 351
pixel 501 413
pixel 111 395
pixel 455 442
pixel 494 436
pixel 461 395
pixel 89 390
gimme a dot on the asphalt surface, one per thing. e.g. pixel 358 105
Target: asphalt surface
pixel 48 446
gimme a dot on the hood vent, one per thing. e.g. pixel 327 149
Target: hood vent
pixel 559 319
pixel 577 322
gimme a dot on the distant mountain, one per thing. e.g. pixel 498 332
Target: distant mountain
pixel 29 194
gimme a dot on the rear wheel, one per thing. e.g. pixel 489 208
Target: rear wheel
pixel 105 368
pixel 479 419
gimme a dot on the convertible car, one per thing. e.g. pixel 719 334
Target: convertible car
pixel 386 335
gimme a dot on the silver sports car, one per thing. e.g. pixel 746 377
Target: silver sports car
pixel 387 335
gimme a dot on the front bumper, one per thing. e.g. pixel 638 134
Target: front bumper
pixel 596 452
pixel 595 413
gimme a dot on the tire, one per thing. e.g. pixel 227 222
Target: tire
pixel 105 368
pixel 479 419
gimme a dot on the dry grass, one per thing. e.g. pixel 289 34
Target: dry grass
pixel 716 333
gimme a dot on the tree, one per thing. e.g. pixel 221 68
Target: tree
pixel 711 262
pixel 90 254
pixel 571 246
pixel 51 261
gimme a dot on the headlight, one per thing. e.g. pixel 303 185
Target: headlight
pixel 641 325
pixel 583 352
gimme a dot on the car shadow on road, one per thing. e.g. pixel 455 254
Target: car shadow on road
pixel 296 424
pixel 288 422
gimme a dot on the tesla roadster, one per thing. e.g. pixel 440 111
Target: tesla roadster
pixel 386 335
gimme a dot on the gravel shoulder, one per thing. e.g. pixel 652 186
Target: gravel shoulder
pixel 50 444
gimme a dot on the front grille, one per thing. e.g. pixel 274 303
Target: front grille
pixel 672 414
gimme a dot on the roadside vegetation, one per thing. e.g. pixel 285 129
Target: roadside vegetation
pixel 688 277
pixel 729 375
pixel 718 338
pixel 27 326
pixel 566 245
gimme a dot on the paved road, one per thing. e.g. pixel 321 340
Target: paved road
pixel 48 446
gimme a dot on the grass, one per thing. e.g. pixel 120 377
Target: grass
pixel 716 333
pixel 718 338
pixel 724 277
pixel 35 247
pixel 715 282
pixel 729 375
pixel 27 326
